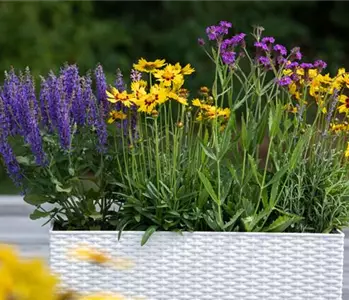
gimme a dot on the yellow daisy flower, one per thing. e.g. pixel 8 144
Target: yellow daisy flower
pixel 116 115
pixel 170 74
pixel 178 98
pixel 138 88
pixel 147 103
pixel 344 107
pixel 186 70
pixel 148 66
pixel 123 97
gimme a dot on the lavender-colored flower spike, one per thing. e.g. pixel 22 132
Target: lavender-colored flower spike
pixel 101 86
pixel 44 98
pixel 261 46
pixel 96 115
pixel 119 81
pixel 30 122
pixel 12 102
pixel 63 119
pixel 9 158
pixel 135 75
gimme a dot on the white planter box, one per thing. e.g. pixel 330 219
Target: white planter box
pixel 207 265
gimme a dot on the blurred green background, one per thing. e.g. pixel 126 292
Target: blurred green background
pixel 44 35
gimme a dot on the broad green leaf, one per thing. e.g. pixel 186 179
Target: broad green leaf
pixel 148 233
pixel 209 188
pixel 282 223
pixel 35 199
pixel 37 214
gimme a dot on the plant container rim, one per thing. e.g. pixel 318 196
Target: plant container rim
pixel 338 232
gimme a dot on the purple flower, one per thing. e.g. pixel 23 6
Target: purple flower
pixel 101 86
pixel 294 77
pixel 292 65
pixel 63 119
pixel 12 167
pixel 306 65
pixel 213 32
pixel 53 98
pixel 296 54
pixel 95 115
pixel 30 122
pixel 201 42
pixel 44 96
pixel 280 49
pixel 320 65
pixel 119 81
pixel 135 75
pixel 265 61
pixel 228 58
pixel 12 103
pixel 225 24
pixel 261 46
pixel 283 81
pixel 268 40
pixel 281 60
pixel 236 40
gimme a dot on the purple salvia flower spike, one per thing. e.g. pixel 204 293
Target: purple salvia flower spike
pixel 101 86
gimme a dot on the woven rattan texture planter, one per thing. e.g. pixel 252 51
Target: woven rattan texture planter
pixel 207 265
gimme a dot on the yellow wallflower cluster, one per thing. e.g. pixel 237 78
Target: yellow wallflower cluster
pixel 169 80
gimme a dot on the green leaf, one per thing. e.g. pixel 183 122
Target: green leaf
pixel 261 129
pixel 35 199
pixel 96 216
pixel 208 152
pixel 244 134
pixel 88 185
pixel 148 233
pixel 298 150
pixel 254 168
pixel 278 175
pixel 60 189
pixel 209 188
pixel 37 214
pixel 282 223
pixel 233 219
pixel 251 222
pixel 24 160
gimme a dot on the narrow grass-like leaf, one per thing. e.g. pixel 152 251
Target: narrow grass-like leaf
pixel 208 186
pixel 148 234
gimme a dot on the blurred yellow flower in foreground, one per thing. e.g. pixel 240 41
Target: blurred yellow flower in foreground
pixel 24 279
pixel 95 256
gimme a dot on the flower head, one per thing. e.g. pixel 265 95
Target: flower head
pixel 284 81
pixel 115 96
pixel 148 66
pixel 201 42
pixel 268 40
pixel 170 74
pixel 296 54
pixel 280 49
pixel 320 65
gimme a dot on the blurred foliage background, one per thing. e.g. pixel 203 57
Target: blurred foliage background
pixel 44 35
